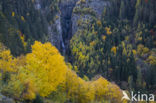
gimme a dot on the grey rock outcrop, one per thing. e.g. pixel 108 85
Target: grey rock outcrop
pixel 86 11
pixel 54 26
pixel 66 8
pixel 55 33
pixel 73 15
pixel 4 99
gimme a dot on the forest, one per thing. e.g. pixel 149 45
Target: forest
pixel 77 51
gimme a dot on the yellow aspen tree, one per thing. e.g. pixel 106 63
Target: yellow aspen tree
pixel 152 59
pixel 92 43
pixel 124 52
pixel 29 91
pixel 101 89
pixel 114 49
pixel 47 66
pixel 99 23
pixel 23 41
pixel 105 90
pixel 71 85
pixel 104 37
pixel 86 92
pixel 7 63
pixel 13 14
pixel 108 31
pixel 134 52
pixel 39 72
pixel 114 94
pixel 22 18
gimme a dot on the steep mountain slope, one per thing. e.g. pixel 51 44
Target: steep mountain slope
pixel 31 20
pixel 115 39
pixel 85 12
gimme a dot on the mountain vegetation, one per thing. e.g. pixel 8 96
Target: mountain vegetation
pixel 76 51
pixel 120 46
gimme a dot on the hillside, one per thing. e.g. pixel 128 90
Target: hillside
pixel 76 51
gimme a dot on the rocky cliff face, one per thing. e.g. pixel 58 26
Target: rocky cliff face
pixel 59 29
pixel 55 33
pixel 66 8
pixel 71 16
pixel 54 25
pixel 86 11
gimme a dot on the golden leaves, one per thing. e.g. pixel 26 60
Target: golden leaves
pixel 114 49
pixel 29 92
pixel 22 18
pixel 41 71
pixel 134 52
pixel 22 37
pixel 88 91
pixel 13 14
pixel 99 23
pixel 141 50
pixel 108 31
pixel 38 72
pixel 152 60
pixel 92 43
pixel 104 37
pixel 7 63
pixel 46 63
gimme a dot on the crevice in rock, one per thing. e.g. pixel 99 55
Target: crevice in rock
pixel 66 9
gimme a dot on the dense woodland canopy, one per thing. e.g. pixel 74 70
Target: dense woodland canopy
pixel 120 46
pixel 47 75
pixel 113 53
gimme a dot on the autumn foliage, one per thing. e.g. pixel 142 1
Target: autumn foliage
pixel 43 70
pixel 89 91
